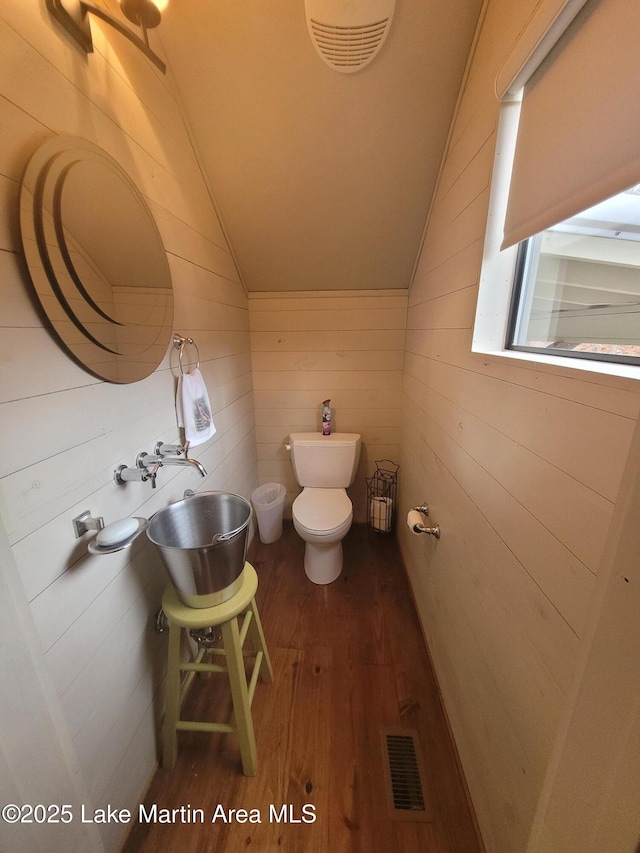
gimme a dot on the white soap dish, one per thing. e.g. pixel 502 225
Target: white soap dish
pixel 117 535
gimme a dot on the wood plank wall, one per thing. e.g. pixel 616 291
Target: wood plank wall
pixel 521 466
pixel 307 346
pixel 63 432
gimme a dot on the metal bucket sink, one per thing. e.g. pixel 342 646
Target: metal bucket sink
pixel 203 543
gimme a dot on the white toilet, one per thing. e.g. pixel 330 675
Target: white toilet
pixel 324 465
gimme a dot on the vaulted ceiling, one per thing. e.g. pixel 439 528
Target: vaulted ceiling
pixel 322 179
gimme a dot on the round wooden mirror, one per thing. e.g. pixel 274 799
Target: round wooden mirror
pixel 96 260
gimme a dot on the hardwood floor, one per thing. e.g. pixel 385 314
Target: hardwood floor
pixel 349 664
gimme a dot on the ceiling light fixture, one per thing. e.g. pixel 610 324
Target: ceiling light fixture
pixel 73 15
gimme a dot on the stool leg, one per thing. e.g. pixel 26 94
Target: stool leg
pixel 172 699
pixel 240 696
pixel 257 639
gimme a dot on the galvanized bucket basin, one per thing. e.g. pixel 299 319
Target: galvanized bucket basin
pixel 203 543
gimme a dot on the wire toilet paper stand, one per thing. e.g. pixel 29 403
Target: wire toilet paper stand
pixel 381 496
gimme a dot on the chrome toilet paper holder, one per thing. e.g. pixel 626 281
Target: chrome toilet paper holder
pixel 416 527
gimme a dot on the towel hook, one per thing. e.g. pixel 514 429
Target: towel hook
pixel 180 343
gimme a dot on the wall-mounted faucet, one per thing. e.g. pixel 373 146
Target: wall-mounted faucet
pixel 148 464
pixel 177 454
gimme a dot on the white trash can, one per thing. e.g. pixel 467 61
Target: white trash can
pixel 268 502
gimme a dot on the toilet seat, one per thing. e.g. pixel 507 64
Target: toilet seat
pixel 323 512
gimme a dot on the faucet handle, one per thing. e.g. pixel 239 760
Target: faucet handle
pixel 153 473
pixel 162 449
pixel 147 460
pixel 123 475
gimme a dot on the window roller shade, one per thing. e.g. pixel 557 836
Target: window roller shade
pixel 578 137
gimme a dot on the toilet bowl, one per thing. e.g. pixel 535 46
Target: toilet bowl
pixel 324 465
pixel 322 518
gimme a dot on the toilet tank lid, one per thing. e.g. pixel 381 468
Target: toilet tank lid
pixel 308 439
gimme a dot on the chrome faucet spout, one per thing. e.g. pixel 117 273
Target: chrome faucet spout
pixel 172 454
pixel 199 466
pixel 148 465
pixel 180 460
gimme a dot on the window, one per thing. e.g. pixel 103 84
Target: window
pixel 577 285
pixel 560 274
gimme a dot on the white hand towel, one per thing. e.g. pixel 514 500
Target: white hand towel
pixel 193 408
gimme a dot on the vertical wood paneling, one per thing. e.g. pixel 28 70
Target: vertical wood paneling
pixel 348 347
pixel 520 464
pixel 64 431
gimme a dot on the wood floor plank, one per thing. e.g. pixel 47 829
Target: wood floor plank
pixel 349 663
pixel 364 705
pixel 422 711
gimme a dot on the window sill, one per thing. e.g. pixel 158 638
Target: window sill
pixel 603 368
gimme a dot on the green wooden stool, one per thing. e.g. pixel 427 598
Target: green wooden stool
pixel 233 637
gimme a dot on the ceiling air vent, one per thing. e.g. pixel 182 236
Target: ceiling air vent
pixel 347 34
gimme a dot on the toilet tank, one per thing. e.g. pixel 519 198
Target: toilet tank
pixel 325 461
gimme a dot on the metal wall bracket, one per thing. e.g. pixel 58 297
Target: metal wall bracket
pixel 76 23
pixel 85 522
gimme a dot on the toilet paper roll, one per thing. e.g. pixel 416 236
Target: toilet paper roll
pixel 414 517
pixel 381 514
